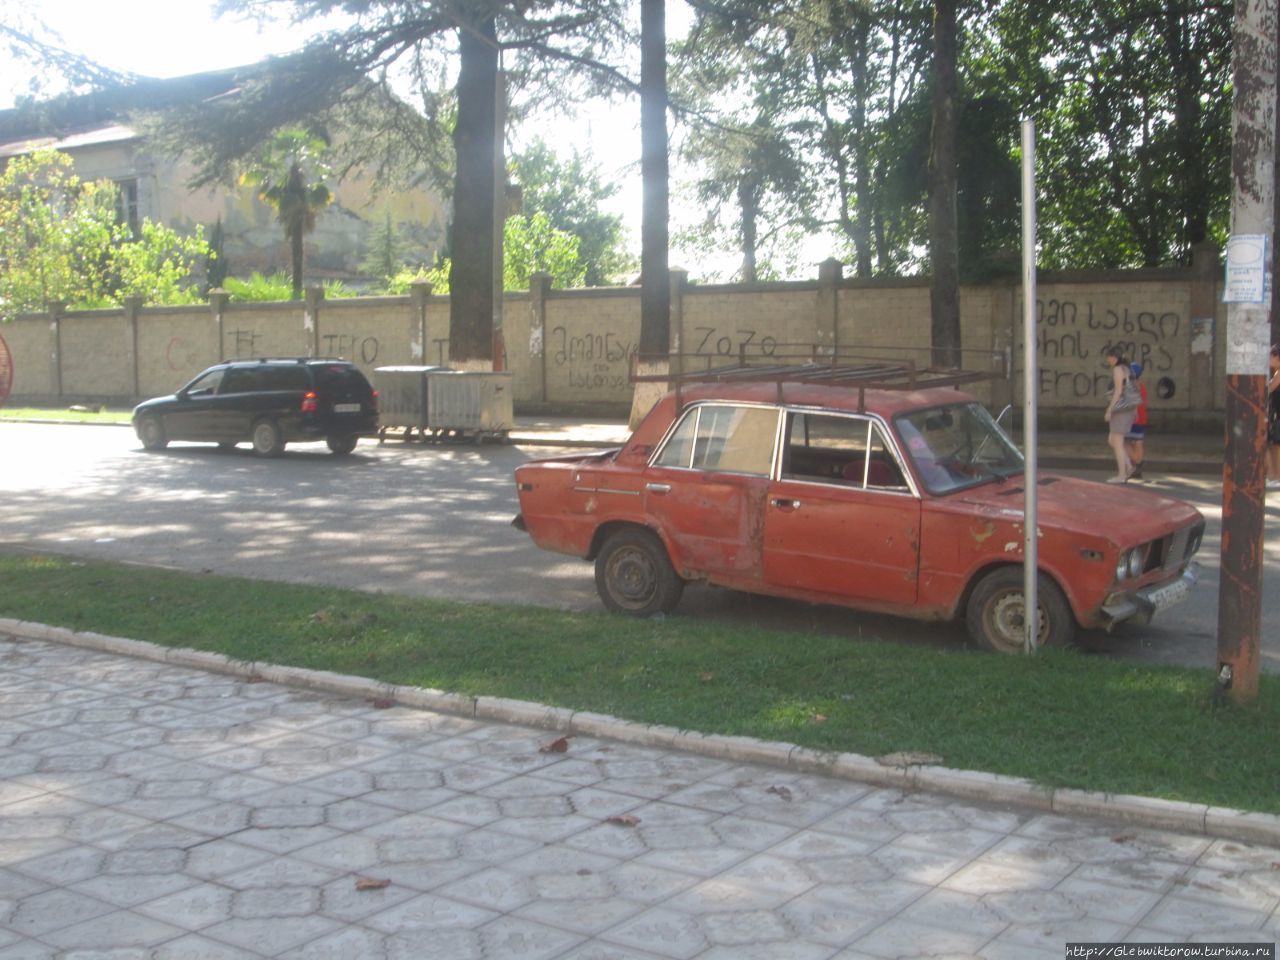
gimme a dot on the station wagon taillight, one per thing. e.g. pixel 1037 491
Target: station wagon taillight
pixel 309 402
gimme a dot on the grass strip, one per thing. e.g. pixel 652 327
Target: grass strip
pixel 66 414
pixel 1060 718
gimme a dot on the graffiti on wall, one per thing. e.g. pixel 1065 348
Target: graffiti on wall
pixel 245 345
pixel 1072 340
pixel 591 361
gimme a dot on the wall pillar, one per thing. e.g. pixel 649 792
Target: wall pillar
pixel 539 287
pixel 218 300
pixel 679 284
pixel 132 307
pixel 1206 271
pixel 56 310
pixel 419 293
pixel 826 321
pixel 313 300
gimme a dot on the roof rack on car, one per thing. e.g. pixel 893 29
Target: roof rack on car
pixel 785 363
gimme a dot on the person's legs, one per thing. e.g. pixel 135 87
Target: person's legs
pixel 1136 448
pixel 1123 466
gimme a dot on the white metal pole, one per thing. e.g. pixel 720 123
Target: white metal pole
pixel 1029 385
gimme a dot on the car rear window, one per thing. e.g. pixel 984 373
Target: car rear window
pixel 342 379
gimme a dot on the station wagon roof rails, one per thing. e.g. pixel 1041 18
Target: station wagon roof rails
pixel 810 364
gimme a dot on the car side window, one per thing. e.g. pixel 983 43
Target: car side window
pixel 239 380
pixel 284 378
pixel 205 385
pixel 849 451
pixel 724 438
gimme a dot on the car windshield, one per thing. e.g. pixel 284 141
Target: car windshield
pixel 957 446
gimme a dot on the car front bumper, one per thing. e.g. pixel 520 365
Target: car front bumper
pixel 1141 605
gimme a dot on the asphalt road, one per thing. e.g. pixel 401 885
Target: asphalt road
pixel 435 521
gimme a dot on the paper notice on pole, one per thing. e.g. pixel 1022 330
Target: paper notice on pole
pixel 1246 268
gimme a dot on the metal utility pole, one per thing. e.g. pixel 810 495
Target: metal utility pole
pixel 1248 297
pixel 1030 406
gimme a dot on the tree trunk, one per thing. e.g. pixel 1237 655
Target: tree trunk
pixel 748 203
pixel 655 282
pixel 471 273
pixel 295 258
pixel 944 292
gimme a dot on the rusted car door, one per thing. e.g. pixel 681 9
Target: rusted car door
pixel 706 489
pixel 841 519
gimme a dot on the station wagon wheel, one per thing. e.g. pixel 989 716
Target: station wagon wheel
pixel 267 441
pixel 342 445
pixel 996 614
pixel 151 433
pixel 634 574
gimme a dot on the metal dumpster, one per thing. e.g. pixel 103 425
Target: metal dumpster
pixel 441 403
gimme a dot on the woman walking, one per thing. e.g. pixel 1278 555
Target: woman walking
pixel 1120 414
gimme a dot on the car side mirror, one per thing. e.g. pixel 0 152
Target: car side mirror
pixel 642 449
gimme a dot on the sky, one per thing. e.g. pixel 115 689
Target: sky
pixel 168 38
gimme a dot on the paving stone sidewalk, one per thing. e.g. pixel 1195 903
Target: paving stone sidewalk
pixel 152 811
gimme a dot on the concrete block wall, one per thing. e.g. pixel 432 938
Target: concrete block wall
pixel 572 348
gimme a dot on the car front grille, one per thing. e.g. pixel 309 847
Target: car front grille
pixel 1170 553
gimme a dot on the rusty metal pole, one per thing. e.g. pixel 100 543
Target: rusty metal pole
pixel 1248 296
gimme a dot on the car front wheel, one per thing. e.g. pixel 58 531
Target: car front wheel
pixel 267 441
pixel 151 433
pixel 996 614
pixel 342 445
pixel 635 576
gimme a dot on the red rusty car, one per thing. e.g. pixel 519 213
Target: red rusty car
pixel 901 501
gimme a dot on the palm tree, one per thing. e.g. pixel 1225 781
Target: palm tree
pixel 289 175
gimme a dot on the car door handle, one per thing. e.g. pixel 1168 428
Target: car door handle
pixel 658 487
pixel 783 503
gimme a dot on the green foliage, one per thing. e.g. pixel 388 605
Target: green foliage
pixel 61 240
pixel 276 288
pixel 570 193
pixel 385 256
pixel 530 245
pixel 155 267
pixel 259 289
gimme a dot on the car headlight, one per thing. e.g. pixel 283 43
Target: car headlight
pixel 1122 565
pixel 1137 560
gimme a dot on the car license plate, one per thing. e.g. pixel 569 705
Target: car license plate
pixel 346 408
pixel 1170 593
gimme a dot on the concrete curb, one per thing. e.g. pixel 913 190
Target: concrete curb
pixel 1219 822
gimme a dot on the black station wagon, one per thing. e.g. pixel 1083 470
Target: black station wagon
pixel 267 402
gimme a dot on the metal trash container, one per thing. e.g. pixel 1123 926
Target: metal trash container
pixel 402 399
pixel 440 403
pixel 470 403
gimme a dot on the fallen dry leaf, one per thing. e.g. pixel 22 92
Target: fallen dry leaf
pixel 383 703
pixel 624 820
pixel 905 758
pixel 368 883
pixel 1122 838
pixel 706 677
pixel 555 746
pixel 819 718
pixel 782 792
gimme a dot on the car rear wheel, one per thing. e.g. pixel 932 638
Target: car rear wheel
pixel 267 441
pixel 342 445
pixel 634 574
pixel 151 433
pixel 996 613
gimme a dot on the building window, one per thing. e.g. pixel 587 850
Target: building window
pixel 127 204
